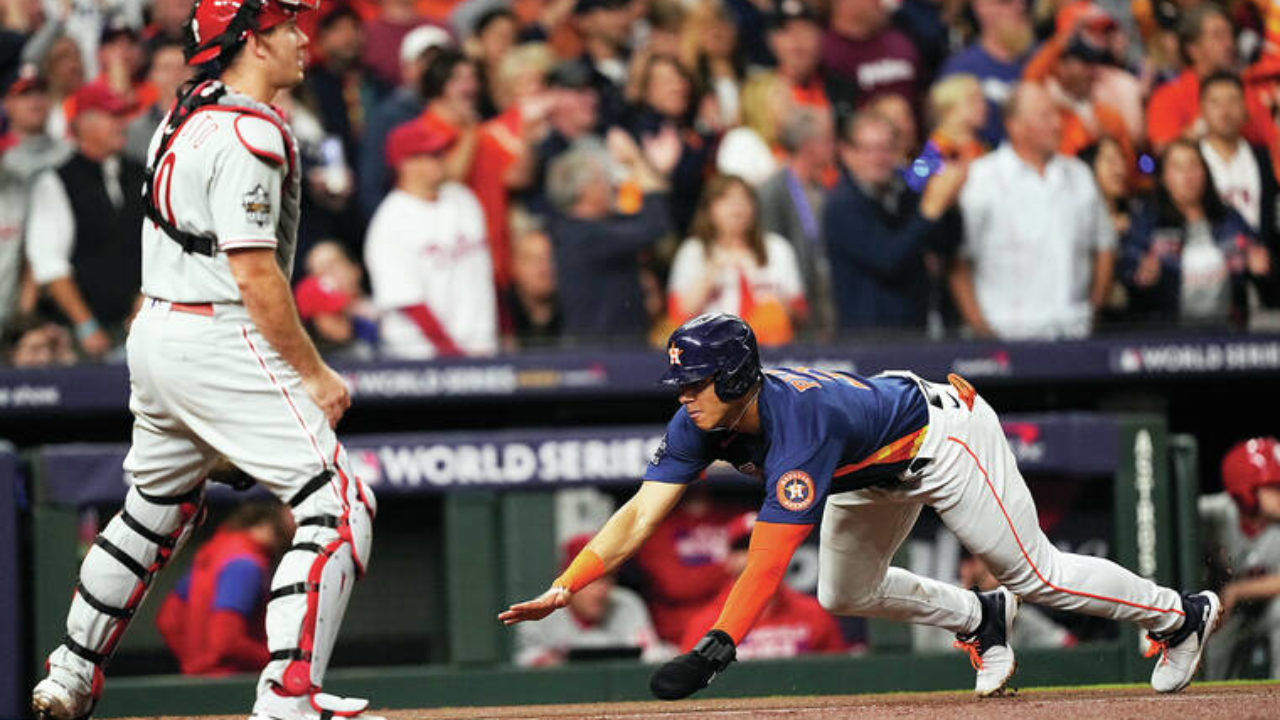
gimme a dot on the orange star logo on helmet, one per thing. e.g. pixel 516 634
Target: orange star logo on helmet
pixel 673 354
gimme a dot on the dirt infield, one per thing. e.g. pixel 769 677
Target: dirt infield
pixel 1204 702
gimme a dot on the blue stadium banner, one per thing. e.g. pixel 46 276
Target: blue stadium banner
pixel 592 373
pixel 407 464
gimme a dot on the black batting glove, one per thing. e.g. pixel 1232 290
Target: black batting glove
pixel 694 670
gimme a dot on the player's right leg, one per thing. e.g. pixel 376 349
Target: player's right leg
pixel 861 531
pixel 167 469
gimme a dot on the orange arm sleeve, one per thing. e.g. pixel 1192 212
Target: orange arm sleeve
pixel 583 571
pixel 772 545
pixel 1042 62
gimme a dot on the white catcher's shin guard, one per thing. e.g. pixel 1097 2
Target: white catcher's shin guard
pixel 312 585
pixel 114 579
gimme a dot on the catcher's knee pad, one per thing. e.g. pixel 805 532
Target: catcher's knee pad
pixel 309 592
pixel 116 574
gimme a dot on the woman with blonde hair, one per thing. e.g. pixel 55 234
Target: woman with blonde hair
pixel 957 112
pixel 729 264
pixel 752 150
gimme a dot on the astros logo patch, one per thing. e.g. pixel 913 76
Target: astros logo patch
pixel 795 491
pixel 673 354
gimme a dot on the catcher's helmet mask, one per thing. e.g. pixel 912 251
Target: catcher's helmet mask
pixel 715 345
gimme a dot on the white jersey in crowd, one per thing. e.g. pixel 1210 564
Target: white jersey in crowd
pixel 778 279
pixel 433 253
pixel 227 174
pixel 1237 180
pixel 625 623
pixel 1031 239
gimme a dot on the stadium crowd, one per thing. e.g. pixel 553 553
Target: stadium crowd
pixel 488 175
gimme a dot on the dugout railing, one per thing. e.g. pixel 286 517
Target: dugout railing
pixel 476 530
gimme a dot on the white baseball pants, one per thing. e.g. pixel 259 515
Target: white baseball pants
pixel 973 483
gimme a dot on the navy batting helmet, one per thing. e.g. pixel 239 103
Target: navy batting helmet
pixel 715 344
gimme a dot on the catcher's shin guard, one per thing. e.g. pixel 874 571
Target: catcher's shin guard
pixel 114 579
pixel 309 592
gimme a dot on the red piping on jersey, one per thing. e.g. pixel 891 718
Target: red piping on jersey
pixel 987 478
pixel 904 448
pixel 264 154
pixel 263 364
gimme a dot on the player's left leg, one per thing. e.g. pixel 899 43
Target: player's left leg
pixel 167 468
pixel 984 500
pixel 861 531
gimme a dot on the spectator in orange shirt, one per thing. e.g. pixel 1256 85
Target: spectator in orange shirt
pixel 504 159
pixel 451 89
pixel 1209 45
pixel 792 624
pixel 1070 83
pixel 795 38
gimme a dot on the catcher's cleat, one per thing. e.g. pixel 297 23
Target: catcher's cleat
pixel 51 700
pixel 988 646
pixel 1180 650
pixel 271 705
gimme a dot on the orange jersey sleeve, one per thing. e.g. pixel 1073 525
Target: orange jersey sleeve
pixel 772 545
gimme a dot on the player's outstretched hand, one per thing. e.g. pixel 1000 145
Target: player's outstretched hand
pixel 328 390
pixel 694 670
pixel 537 608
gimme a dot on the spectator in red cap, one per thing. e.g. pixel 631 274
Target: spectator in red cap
pixel 428 255
pixel 82 237
pixel 792 624
pixel 602 615
pixel 340 319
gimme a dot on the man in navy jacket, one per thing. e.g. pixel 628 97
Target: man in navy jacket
pixel 878 232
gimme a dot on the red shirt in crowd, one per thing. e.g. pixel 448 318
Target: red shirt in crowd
pixel 792 624
pixel 214 621
pixel 684 565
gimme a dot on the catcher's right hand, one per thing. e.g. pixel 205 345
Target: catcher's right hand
pixel 537 608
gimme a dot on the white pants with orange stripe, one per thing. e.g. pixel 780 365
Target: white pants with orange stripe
pixel 973 483
pixel 206 385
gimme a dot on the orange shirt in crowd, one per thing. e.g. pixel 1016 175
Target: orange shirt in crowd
pixel 497 148
pixel 812 94
pixel 1078 134
pixel 1175 107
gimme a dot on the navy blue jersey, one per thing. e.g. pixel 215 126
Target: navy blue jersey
pixel 820 433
